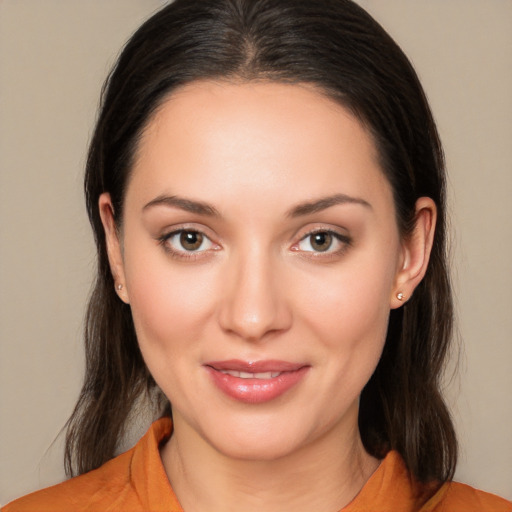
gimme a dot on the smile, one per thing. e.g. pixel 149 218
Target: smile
pixel 247 375
pixel 255 382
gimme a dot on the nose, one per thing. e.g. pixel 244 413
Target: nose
pixel 254 303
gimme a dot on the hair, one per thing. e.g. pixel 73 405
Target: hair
pixel 340 49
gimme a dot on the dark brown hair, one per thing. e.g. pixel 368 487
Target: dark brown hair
pixel 336 46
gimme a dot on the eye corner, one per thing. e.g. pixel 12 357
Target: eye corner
pixel 175 244
pixel 338 243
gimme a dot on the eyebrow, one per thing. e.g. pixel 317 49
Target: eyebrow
pixel 324 203
pixel 189 205
pixel 202 208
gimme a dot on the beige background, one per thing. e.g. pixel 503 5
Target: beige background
pixel 54 55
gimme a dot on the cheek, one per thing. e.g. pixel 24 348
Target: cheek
pixel 349 312
pixel 169 302
pixel 355 299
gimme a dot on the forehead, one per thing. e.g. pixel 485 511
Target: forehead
pixel 256 136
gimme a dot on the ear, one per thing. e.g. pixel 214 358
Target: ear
pixel 415 252
pixel 115 255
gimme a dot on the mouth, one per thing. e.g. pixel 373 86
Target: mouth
pixel 247 375
pixel 255 382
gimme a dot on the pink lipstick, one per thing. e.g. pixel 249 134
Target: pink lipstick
pixel 255 382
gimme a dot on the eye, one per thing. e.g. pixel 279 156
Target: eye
pixel 323 241
pixel 187 241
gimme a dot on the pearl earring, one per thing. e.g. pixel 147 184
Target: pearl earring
pixel 400 296
pixel 119 287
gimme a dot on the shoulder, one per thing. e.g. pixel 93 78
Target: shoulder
pixel 392 488
pixel 107 485
pixel 134 481
pixel 457 497
pixel 467 498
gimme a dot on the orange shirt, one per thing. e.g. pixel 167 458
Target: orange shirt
pixel 136 482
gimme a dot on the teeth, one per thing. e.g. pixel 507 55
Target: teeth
pixel 231 372
pixel 247 375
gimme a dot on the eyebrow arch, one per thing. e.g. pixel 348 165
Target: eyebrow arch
pixel 198 207
pixel 324 203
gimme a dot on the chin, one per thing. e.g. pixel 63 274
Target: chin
pixel 262 448
pixel 254 437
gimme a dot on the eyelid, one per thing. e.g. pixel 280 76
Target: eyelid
pixel 205 240
pixel 338 231
pixel 342 238
pixel 168 234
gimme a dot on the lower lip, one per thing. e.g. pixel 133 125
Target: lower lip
pixel 256 391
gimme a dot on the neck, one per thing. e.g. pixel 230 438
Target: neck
pixel 322 476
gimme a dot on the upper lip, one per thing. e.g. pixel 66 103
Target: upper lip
pixel 271 365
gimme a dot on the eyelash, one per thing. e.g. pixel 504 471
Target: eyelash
pixel 183 254
pixel 344 240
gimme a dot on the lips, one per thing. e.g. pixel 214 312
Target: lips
pixel 247 375
pixel 255 382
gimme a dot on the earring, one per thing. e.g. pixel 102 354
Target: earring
pixel 400 296
pixel 119 287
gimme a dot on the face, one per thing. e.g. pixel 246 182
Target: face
pixel 260 255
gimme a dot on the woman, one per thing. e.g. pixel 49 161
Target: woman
pixel 266 188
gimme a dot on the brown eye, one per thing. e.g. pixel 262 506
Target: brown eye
pixel 187 243
pixel 321 241
pixel 191 240
pixel 327 241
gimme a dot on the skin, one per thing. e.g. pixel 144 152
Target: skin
pixel 256 289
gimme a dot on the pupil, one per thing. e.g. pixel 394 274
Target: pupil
pixel 321 241
pixel 191 240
